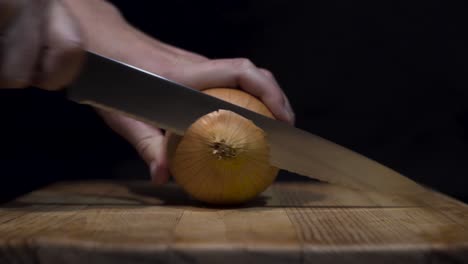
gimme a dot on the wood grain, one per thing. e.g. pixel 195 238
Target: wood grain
pixel 309 222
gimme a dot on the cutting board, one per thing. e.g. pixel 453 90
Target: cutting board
pixel 305 222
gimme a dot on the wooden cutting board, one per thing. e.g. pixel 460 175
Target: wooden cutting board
pixel 307 222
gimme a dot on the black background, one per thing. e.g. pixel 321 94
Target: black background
pixel 384 78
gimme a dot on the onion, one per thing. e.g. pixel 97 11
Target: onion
pixel 223 158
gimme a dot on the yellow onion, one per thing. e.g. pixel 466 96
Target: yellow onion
pixel 223 158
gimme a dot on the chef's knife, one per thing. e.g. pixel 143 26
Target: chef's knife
pixel 117 86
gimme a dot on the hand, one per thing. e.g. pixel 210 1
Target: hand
pixel 40 44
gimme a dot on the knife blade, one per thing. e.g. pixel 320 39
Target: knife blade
pixel 113 85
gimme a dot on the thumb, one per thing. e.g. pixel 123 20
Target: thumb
pixel 147 140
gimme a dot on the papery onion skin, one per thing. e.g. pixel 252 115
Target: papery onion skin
pixel 223 158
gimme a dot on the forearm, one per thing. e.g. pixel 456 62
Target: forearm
pixel 106 32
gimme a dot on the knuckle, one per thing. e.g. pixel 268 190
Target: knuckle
pixel 243 63
pixel 143 146
pixel 268 73
pixel 60 67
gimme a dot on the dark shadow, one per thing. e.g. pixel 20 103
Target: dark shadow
pixel 173 195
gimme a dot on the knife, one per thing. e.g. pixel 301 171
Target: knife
pixel 113 85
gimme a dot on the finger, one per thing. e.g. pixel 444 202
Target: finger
pixel 270 75
pixel 290 109
pixel 62 55
pixel 20 44
pixel 147 140
pixel 237 73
